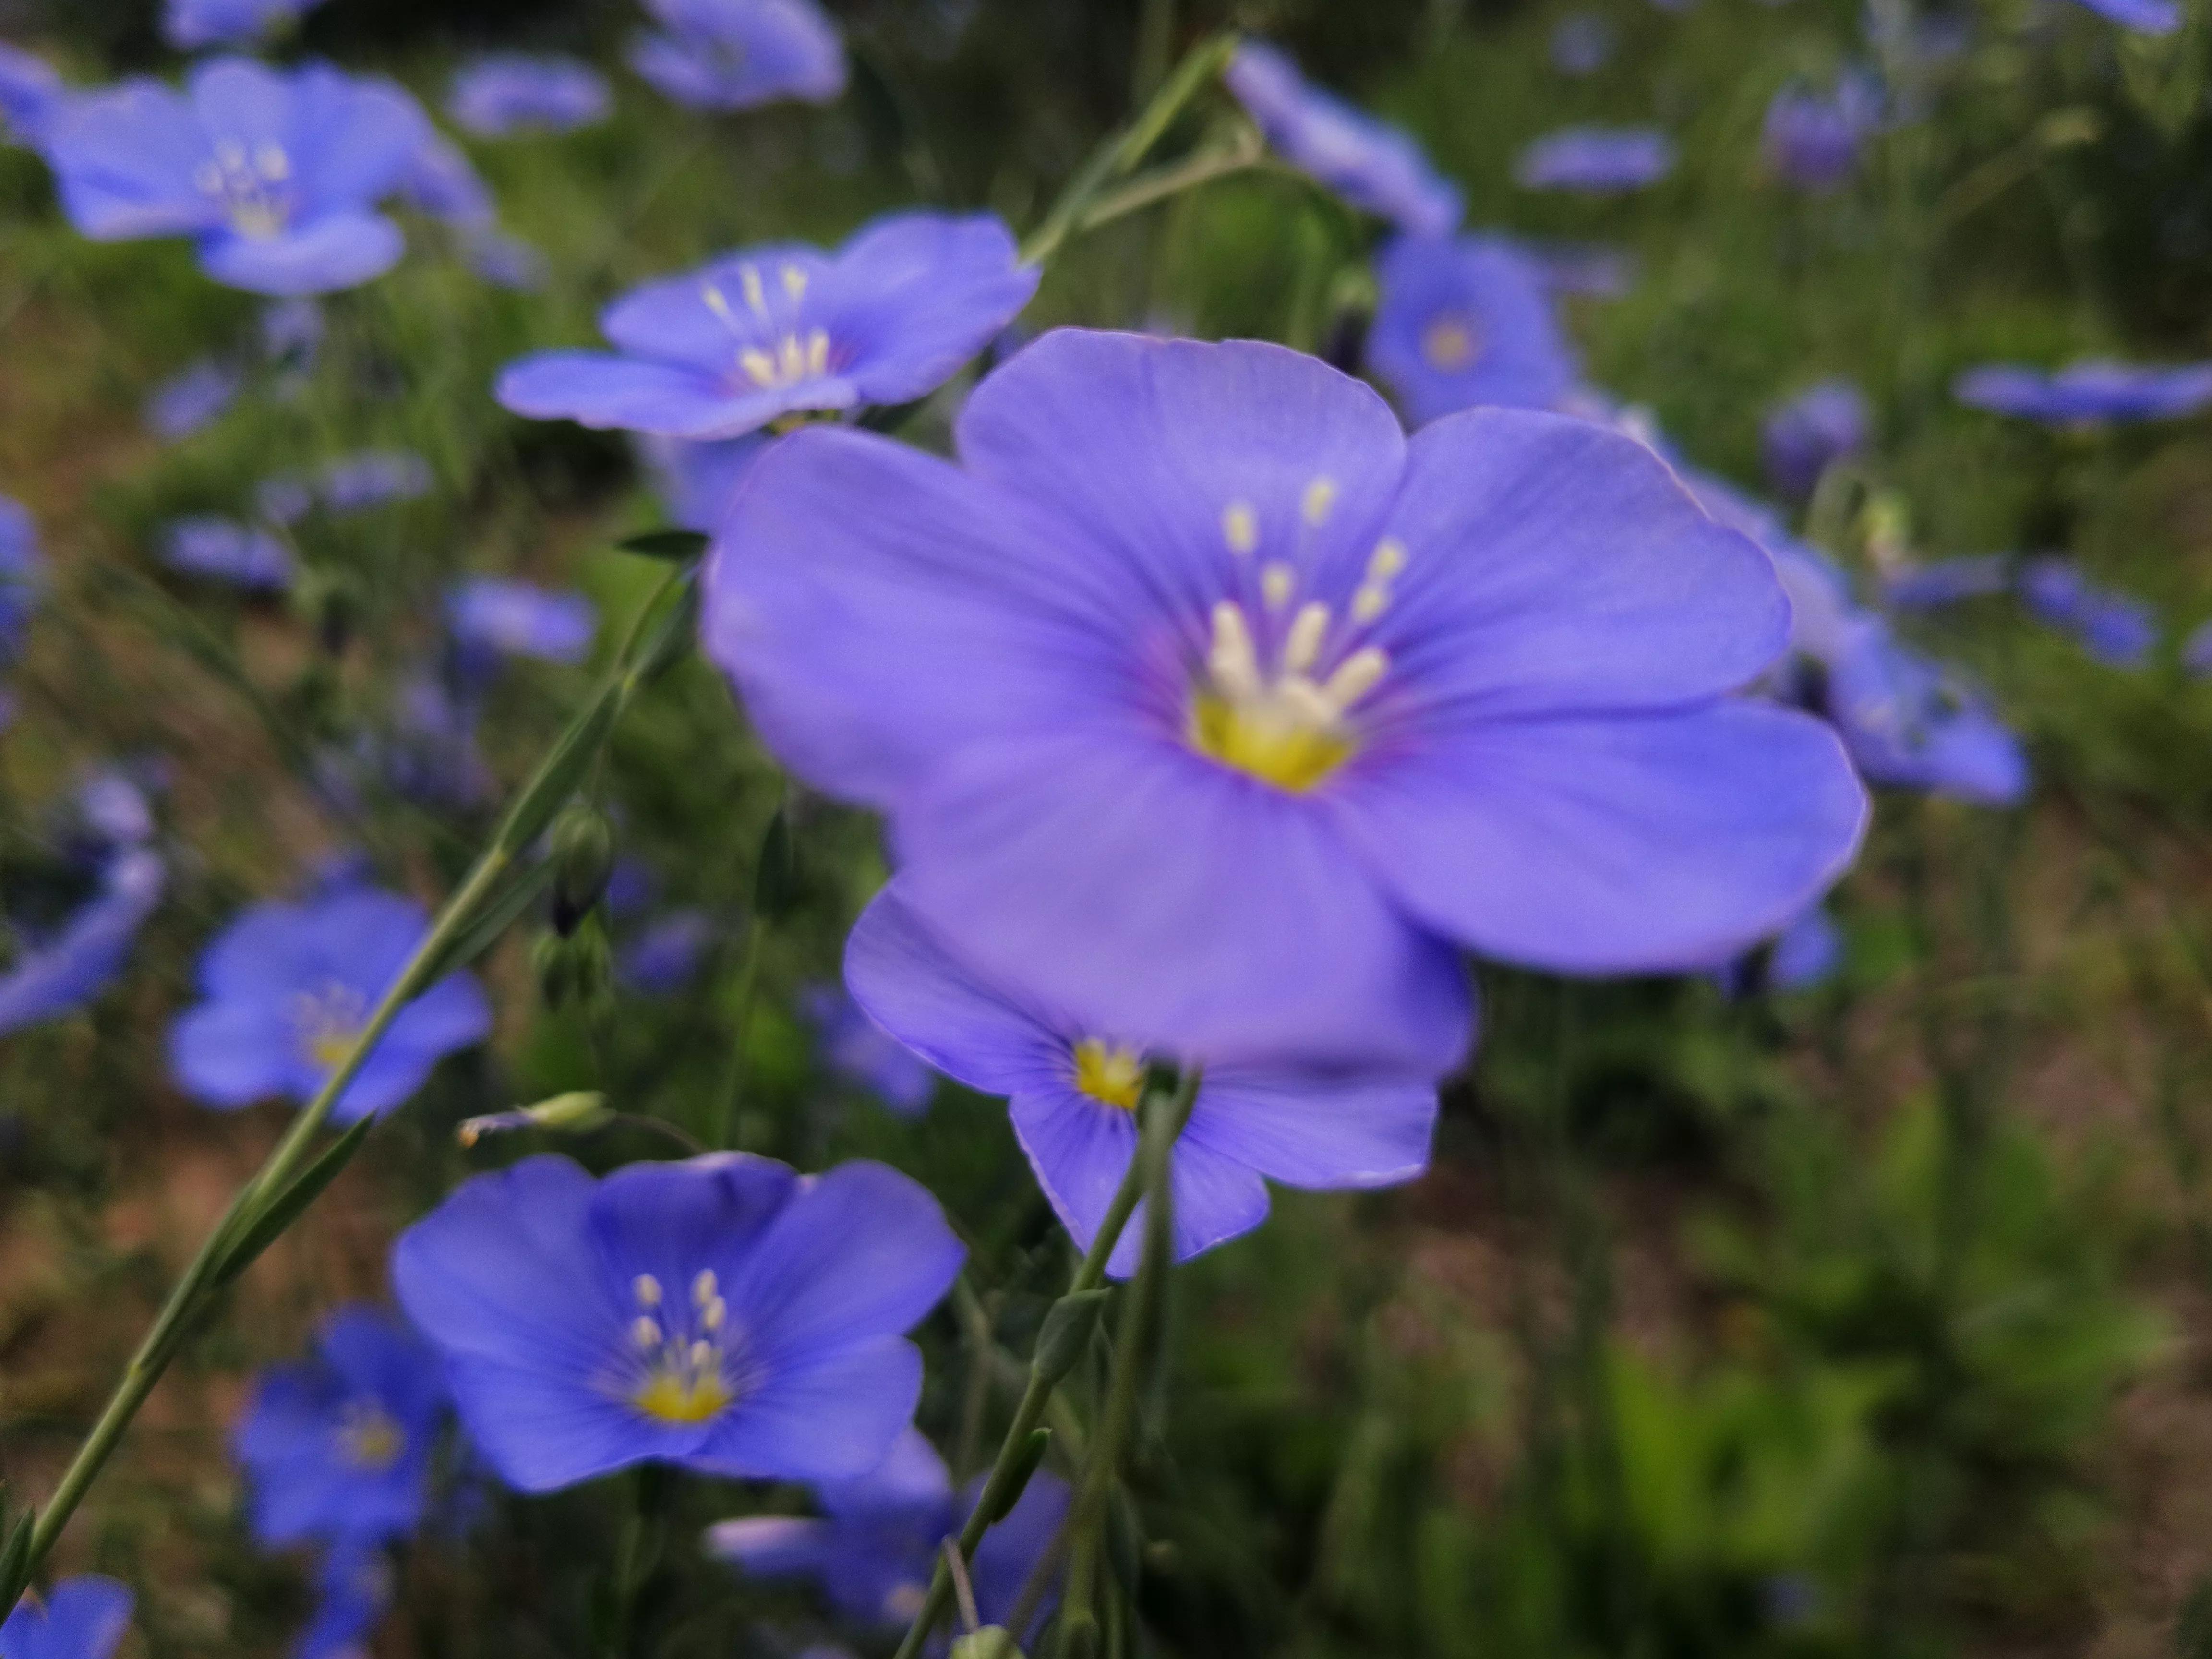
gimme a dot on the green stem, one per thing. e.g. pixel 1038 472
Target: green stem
pixel 733 1085
pixel 1089 1276
pixel 1243 155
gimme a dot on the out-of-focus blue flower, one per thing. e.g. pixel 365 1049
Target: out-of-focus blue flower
pixel 353 1592
pixel 339 1446
pixel 1813 139
pixel 1376 167
pixel 1196 657
pixel 190 400
pixel 881 1535
pixel 81 1619
pixel 1595 160
pixel 1073 1091
pixel 505 261
pixel 1582 43
pixel 493 617
pixel 274 174
pixel 292 334
pixel 31 91
pixel 722 1313
pixel 111 802
pixel 430 754
pixel 1584 268
pixel 505 93
pixel 1911 723
pixel 739 54
pixel 286 989
pixel 1824 424
pixel 1807 954
pixel 191 25
pixel 786 329
pixel 64 969
pixel 2144 16
pixel 1946 581
pixel 666 955
pixel 225 550
pixel 2094 390
pixel 285 500
pixel 1467 322
pixel 862 1053
pixel 2114 628
pixel 352 483
pixel 695 481
pixel 22 572
pixel 441 182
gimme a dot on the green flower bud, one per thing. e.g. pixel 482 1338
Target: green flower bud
pixel 583 859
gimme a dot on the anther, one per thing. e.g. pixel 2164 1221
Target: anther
pixel 703 1287
pixel 1278 582
pixel 648 1289
pixel 1240 527
pixel 756 296
pixel 645 1332
pixel 1356 676
pixel 1233 661
pixel 1389 558
pixel 1320 497
pixel 1302 648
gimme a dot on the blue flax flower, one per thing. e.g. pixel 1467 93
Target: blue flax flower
pixel 1824 424
pixel 1947 581
pixel 1582 44
pixel 1205 703
pixel 285 989
pixel 225 550
pixel 2092 391
pixel 190 25
pixel 666 955
pixel 739 54
pixel 62 968
pixel 1595 160
pixel 1806 954
pixel 191 400
pixel 1073 1089
pixel 2197 652
pixel 340 1446
pixel 429 754
pixel 787 329
pixel 2116 630
pixel 722 1313
pixel 375 477
pixel 2144 16
pixel 1466 322
pixel 1813 139
pixel 442 183
pixel 353 1592
pixel 30 93
pixel 882 1534
pixel 80 1618
pixel 505 93
pixel 505 261
pixel 276 175
pixel 493 618
pixel 695 481
pixel 22 573
pixel 863 1053
pixel 1376 167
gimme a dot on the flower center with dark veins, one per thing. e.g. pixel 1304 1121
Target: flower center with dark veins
pixel 255 186
pixel 1281 683
pixel 684 1376
pixel 773 356
pixel 1451 342
pixel 1109 1073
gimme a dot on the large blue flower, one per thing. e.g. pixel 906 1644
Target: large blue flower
pixel 192 24
pixel 739 54
pixel 1825 423
pixel 287 988
pixel 1206 702
pixel 1073 1089
pixel 22 573
pixel 80 1619
pixel 31 91
pixel 505 93
pixel 881 1535
pixel 1466 322
pixel 339 1447
pixel 1595 160
pixel 784 329
pixel 1374 166
pixel 276 175
pixel 724 1314
pixel 2092 390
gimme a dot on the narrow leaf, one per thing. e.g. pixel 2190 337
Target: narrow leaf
pixel 495 918
pixel 290 1204
pixel 562 770
pixel 677 545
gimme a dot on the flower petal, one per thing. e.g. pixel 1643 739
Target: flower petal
pixel 599 389
pixel 229 1054
pixel 916 295
pixel 339 250
pixel 832 1415
pixel 1314 1130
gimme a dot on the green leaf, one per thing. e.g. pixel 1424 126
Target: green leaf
pixel 775 877
pixel 478 936
pixel 560 773
pixel 267 1227
pixel 679 546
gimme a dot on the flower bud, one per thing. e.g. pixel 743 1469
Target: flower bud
pixel 571 1113
pixel 583 859
pixel 1066 1333
pixel 992 1642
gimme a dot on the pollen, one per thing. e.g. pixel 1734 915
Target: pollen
pixel 686 1397
pixel 1108 1074
pixel 1240 528
pixel 1292 727
pixel 793 360
pixel 1450 344
pixel 1320 498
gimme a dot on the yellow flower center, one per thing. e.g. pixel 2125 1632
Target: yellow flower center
pixel 329 1022
pixel 254 187
pixel 1450 343
pixel 673 1396
pixel 685 1379
pixel 369 1437
pixel 1109 1073
pixel 792 352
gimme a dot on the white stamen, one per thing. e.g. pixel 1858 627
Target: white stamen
pixel 1388 560
pixel 1320 497
pixel 648 1289
pixel 1240 527
pixel 645 1332
pixel 1278 582
pixel 1233 661
pixel 1368 602
pixel 1302 648
pixel 703 1287
pixel 794 283
pixel 1356 676
pixel 756 297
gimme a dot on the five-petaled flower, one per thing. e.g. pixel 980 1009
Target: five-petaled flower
pixel 724 1314
pixel 739 54
pixel 1466 322
pixel 1204 702
pixel 276 175
pixel 80 1619
pixel 786 330
pixel 287 988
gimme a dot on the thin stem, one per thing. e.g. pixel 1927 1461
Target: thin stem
pixel 733 1085
pixel 1242 155
pixel 1089 1276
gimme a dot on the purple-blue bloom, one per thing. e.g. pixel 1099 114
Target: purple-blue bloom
pixel 62 970
pixel 1813 139
pixel 22 572
pixel 1582 43
pixel 1946 581
pixel 1825 423
pixel 504 92
pixel 1464 323
pixel 724 1314
pixel 786 329
pixel 1911 723
pixel 31 91
pixel 1376 167
pixel 190 25
pixel 339 1446
pixel 353 1592
pixel 739 54
pixel 504 261
pixel 191 400
pixel 1205 703
pixel 276 175
pixel 2196 651
pixel 1073 1088
pixel 493 617
pixel 1584 268
pixel 441 182
pixel 880 1535
pixel 375 477
pixel 695 481
pixel 80 1618
pixel 1809 953
pixel 245 556
pixel 430 753
pixel 2092 390
pixel 861 1052
pixel 285 990
pixel 1595 160
pixel 2116 630
pixel 2144 16
pixel 666 955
